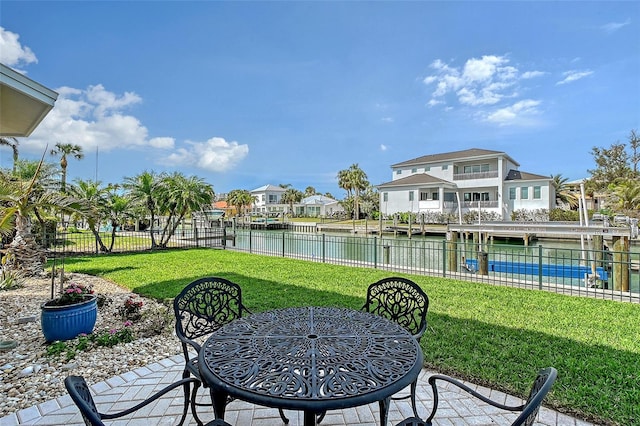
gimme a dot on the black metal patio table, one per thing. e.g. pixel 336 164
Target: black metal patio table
pixel 311 359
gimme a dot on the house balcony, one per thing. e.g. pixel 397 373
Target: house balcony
pixel 492 174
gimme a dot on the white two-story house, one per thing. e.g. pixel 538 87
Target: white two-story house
pixel 268 199
pixel 472 179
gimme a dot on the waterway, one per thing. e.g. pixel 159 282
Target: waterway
pixel 430 254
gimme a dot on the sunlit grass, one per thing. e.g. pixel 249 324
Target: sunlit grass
pixel 497 336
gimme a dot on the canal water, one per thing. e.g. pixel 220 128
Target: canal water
pixel 430 254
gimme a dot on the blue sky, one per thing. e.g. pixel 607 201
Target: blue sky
pixel 248 93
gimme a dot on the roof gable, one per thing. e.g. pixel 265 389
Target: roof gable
pixel 269 187
pixel 416 179
pixel 454 155
pixel 519 175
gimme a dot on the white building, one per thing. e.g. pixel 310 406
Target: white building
pixel 318 206
pixel 474 178
pixel 268 199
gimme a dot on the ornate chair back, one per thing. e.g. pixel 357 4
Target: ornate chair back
pixel 400 300
pixel 204 306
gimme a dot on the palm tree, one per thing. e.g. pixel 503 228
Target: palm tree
pixel 143 190
pixel 179 196
pixel 118 208
pixel 353 180
pixel 291 196
pixel 240 198
pixel 95 196
pixel 563 194
pixel 309 191
pixel 21 201
pixel 64 149
pixel 13 144
pixel 626 195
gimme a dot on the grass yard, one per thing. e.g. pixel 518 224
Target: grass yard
pixel 496 336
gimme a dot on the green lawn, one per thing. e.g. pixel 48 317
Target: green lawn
pixel 497 336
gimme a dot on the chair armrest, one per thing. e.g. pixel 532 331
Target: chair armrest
pixel 150 399
pixel 459 384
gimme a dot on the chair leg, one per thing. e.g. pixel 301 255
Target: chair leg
pixel 414 387
pixel 283 417
pixel 194 395
pixel 187 397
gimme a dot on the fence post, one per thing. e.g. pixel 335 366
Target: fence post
pixel 452 251
pixel 250 242
pixel 323 248
pixel 444 258
pixel 195 236
pixel 224 238
pixel 540 267
pixel 375 252
pixel 283 244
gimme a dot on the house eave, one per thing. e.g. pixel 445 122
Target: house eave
pixel 24 103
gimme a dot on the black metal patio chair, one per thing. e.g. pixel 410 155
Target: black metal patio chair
pixel 404 302
pixel 81 396
pixel 528 411
pixel 201 308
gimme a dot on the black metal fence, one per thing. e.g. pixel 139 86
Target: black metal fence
pixel 590 272
pixel 64 244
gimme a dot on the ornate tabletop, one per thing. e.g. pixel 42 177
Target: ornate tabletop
pixel 312 359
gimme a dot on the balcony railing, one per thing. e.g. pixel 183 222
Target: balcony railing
pixel 477 175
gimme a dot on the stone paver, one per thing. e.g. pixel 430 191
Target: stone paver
pixel 455 408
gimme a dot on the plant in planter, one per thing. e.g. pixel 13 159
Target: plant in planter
pixel 72 313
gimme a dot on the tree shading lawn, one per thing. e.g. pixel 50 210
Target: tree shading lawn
pixel 495 336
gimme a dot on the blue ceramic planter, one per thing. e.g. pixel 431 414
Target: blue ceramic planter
pixel 67 322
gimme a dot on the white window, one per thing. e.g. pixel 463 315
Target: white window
pixel 524 193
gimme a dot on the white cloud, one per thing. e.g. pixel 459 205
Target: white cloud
pixel 383 147
pixel 571 76
pixel 12 53
pixel 96 117
pixel 162 143
pixel 480 81
pixel 387 119
pixel 612 27
pixel 92 118
pixel 520 113
pixel 532 74
pixel 216 155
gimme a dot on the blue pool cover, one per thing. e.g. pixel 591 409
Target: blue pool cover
pixel 551 270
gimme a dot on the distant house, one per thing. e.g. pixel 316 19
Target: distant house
pixel 595 201
pixel 471 179
pixel 318 206
pixel 268 199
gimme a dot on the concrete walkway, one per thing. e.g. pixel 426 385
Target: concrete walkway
pixel 123 391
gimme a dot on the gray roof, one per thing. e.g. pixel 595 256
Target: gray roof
pixel 269 187
pixel 417 179
pixel 317 200
pixel 466 154
pixel 518 175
